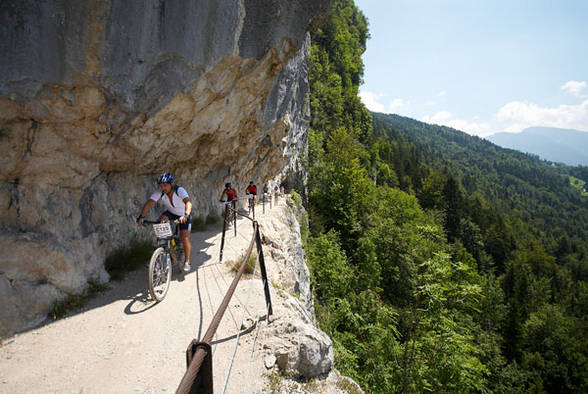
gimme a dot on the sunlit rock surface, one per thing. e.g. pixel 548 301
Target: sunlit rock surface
pixel 99 96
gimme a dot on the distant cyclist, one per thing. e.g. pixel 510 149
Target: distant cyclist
pixel 252 189
pixel 178 207
pixel 276 193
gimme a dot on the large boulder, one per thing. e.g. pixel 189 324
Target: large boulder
pixel 96 97
pixel 296 345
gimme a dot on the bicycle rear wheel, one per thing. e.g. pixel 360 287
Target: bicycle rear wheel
pixel 160 273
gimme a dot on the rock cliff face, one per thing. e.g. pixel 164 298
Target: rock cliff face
pixel 98 96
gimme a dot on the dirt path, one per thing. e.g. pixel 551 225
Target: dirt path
pixel 122 342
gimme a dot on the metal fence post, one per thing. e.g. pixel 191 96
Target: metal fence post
pixel 268 299
pixel 223 236
pixel 204 382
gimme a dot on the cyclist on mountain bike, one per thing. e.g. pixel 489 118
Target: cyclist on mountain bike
pixel 230 193
pixel 178 207
pixel 252 189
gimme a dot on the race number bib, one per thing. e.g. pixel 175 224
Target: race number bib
pixel 162 230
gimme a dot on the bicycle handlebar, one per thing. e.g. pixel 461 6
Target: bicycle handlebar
pixel 177 221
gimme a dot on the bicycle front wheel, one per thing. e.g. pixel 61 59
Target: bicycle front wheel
pixel 160 273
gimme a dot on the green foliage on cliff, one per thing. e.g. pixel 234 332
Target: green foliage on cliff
pixel 433 269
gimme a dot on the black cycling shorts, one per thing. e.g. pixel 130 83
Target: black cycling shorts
pixel 171 216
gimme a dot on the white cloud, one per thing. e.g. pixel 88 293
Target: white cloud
pixel 372 101
pixel 396 104
pixel 440 117
pixel 518 115
pixel 445 118
pixel 442 93
pixel 575 88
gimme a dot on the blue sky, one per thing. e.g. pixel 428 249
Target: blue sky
pixel 480 66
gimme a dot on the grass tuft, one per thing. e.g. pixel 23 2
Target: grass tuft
pixel 348 387
pixel 212 219
pixel 127 259
pixel 74 301
pixel 275 381
pixel 249 267
pixel 200 224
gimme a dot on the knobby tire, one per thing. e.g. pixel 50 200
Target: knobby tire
pixel 160 273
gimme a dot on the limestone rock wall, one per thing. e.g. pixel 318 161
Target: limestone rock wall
pixel 99 96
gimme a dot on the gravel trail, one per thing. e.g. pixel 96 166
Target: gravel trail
pixel 122 342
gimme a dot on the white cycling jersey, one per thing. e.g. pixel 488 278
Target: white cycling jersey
pixel 176 206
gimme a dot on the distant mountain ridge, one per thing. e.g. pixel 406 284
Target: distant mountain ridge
pixel 559 145
pixel 525 186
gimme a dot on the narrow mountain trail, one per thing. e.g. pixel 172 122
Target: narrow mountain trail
pixel 123 342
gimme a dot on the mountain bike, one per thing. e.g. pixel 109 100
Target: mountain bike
pixel 169 250
pixel 251 199
pixel 230 215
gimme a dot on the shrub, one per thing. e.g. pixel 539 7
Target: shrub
pixel 74 301
pixel 296 199
pixel 212 219
pixel 249 267
pixel 128 258
pixel 200 224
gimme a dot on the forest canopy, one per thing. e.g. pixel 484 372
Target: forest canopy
pixel 439 261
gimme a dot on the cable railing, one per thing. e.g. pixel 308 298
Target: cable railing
pixel 198 377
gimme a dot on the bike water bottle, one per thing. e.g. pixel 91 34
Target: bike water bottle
pixel 168 260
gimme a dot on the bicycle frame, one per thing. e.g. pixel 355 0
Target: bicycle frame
pixel 163 258
pixel 251 202
pixel 168 243
pixel 230 214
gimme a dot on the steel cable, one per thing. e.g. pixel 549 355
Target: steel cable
pixel 261 345
pixel 211 309
pixel 257 324
pixel 200 354
pixel 237 340
pixel 218 315
pixel 251 357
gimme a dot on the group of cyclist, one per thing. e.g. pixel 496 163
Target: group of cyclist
pixel 250 192
pixel 178 206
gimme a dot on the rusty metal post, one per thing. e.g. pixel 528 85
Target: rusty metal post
pixel 199 356
pixel 223 236
pixel 235 216
pixel 268 300
pixel 203 383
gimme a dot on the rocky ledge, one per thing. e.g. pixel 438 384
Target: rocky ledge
pixel 98 96
pixel 298 356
